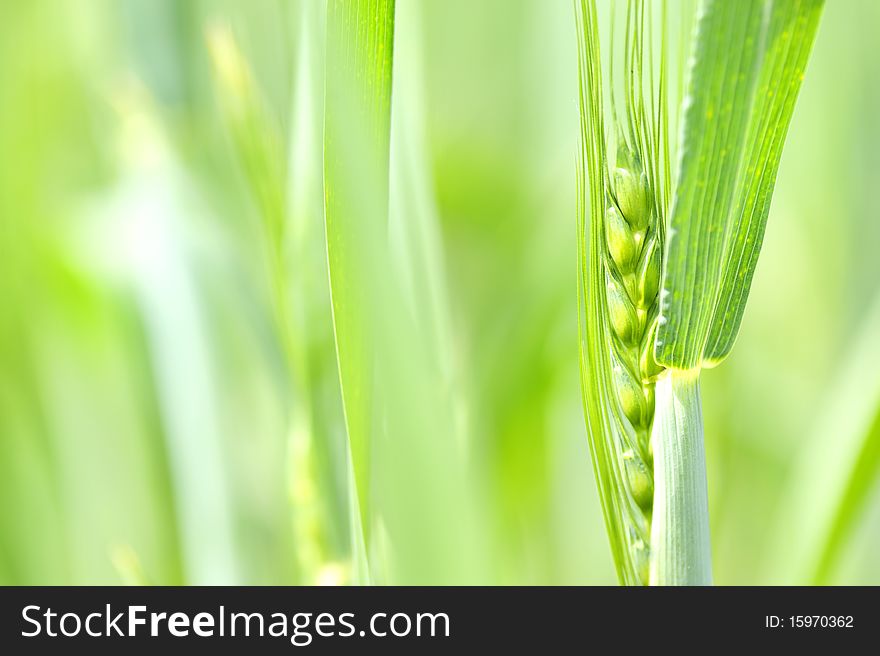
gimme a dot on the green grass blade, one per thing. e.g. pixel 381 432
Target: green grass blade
pixel 719 91
pixel 414 231
pixel 789 41
pixel 863 475
pixel 356 152
pixel 419 506
pixel 317 448
pixel 837 471
pixel 732 140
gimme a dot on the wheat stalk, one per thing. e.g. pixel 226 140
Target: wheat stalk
pixel 665 265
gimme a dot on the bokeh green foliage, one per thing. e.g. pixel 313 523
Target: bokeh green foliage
pixel 146 407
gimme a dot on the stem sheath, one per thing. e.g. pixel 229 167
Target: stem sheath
pixel 680 529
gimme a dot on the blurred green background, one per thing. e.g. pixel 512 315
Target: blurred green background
pixel 147 419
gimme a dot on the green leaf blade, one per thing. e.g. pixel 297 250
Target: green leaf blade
pixel 792 30
pixel 360 36
pixel 715 122
pixel 747 70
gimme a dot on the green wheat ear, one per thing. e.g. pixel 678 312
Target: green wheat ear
pixel 626 243
pixel 640 232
